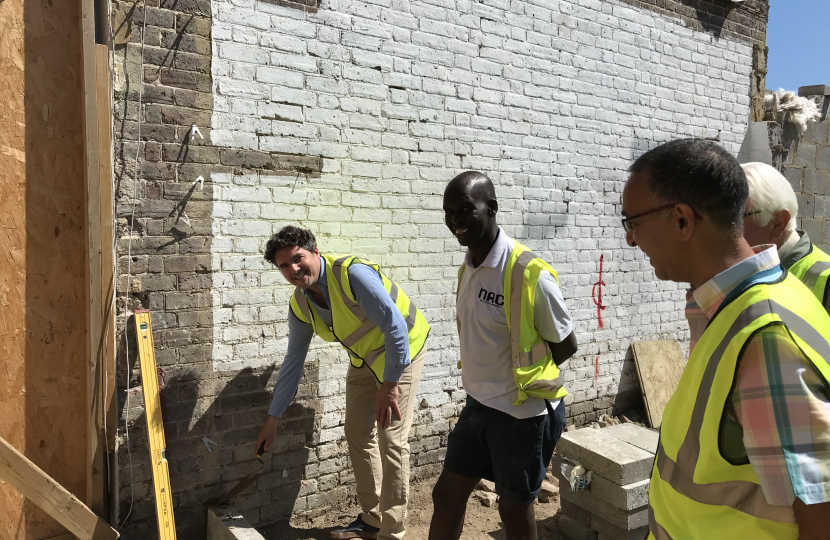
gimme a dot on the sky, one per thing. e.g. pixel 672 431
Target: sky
pixel 797 36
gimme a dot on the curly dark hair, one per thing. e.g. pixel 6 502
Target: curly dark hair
pixel 289 236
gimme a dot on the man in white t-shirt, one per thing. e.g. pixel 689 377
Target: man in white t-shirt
pixel 503 434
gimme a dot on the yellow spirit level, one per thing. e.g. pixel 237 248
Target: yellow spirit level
pixel 155 427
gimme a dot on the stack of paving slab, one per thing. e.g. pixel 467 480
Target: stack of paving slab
pixel 614 506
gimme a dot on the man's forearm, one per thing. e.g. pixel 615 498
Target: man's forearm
pixel 291 370
pixel 564 349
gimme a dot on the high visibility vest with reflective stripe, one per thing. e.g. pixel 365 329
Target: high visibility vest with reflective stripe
pixel 695 493
pixel 350 326
pixel 813 270
pixel 534 371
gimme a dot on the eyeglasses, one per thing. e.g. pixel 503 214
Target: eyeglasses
pixel 752 213
pixel 628 226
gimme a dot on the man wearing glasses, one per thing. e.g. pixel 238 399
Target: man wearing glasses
pixel 769 218
pixel 744 442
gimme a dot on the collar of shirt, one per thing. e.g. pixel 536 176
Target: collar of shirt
pixel 494 258
pixel 788 244
pixel 792 253
pixel 323 284
pixel 711 294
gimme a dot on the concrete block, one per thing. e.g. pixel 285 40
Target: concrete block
pixel 577 512
pixel 823 158
pixel 574 530
pixel 225 523
pixel 628 497
pixel 606 456
pixel 624 519
pixel 635 435
pixel 609 531
pixel 590 504
pixel 815 90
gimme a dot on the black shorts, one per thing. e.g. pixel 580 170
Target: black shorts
pixel 513 453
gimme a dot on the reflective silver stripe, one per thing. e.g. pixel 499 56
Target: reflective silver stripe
pixel 413 310
pixel 539 351
pixel 337 270
pixel 741 495
pixel 457 292
pixel 804 330
pixel 746 497
pixel 373 355
pixel 690 449
pixel 547 385
pixel 516 279
pixel 366 325
pixel 413 313
pixel 814 272
pixel 302 303
pixel 655 528
pixel 359 334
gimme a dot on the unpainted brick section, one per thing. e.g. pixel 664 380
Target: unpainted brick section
pixel 804 159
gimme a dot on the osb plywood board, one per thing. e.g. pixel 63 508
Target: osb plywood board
pixel 42 252
pixel 12 250
pixel 659 366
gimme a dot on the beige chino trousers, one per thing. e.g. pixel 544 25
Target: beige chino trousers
pixel 380 458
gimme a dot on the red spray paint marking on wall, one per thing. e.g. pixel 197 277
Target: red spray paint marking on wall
pixel 596 293
pixel 596 369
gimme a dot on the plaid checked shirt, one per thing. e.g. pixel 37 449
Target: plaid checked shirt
pixel 779 416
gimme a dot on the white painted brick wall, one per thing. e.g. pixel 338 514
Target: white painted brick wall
pixel 552 99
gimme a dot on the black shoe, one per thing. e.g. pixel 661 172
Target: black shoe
pixel 356 529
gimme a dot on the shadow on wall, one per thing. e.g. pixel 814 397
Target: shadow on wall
pixel 630 400
pixel 711 15
pixel 208 456
pixel 171 244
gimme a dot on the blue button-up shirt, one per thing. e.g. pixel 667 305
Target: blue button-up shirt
pixel 378 306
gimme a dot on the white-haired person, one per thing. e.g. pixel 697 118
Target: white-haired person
pixel 771 210
pixel 769 218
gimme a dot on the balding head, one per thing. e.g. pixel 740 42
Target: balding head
pixel 474 184
pixel 470 208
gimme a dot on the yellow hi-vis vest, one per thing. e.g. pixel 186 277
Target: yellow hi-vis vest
pixel 350 326
pixel 535 372
pixel 813 270
pixel 695 492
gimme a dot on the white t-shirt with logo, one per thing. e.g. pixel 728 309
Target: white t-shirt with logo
pixel 486 364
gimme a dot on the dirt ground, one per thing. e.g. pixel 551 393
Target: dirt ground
pixel 481 523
